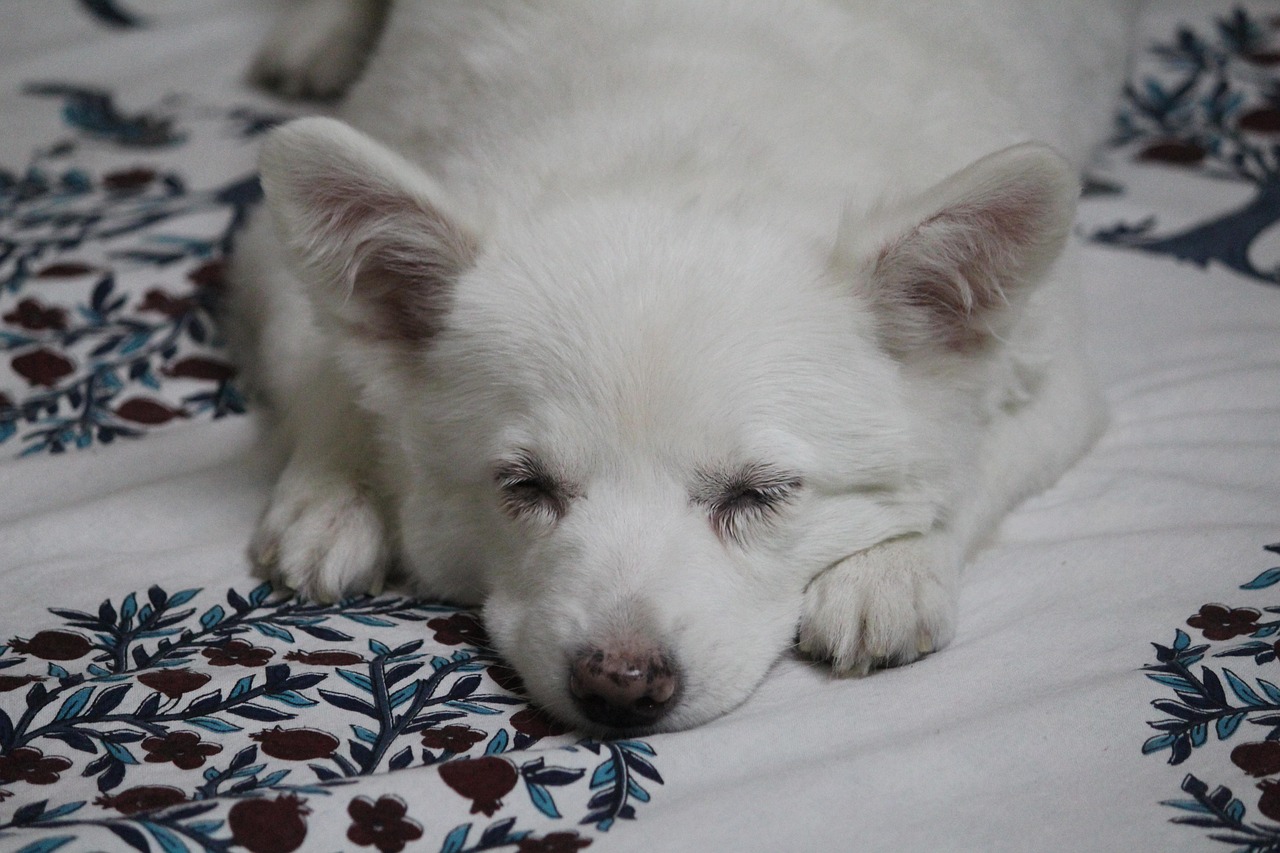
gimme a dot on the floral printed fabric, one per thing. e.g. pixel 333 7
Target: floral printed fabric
pixel 167 722
pixel 110 268
pixel 1224 694
pixel 1204 102
pixel 1026 733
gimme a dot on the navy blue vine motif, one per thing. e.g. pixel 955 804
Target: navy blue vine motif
pixel 615 781
pixel 1209 104
pixel 1214 702
pixel 111 13
pixel 212 727
pixel 109 274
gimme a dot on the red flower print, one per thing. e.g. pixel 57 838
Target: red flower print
pixel 484 781
pixel 173 683
pixel 28 764
pixel 162 303
pixel 1219 622
pixel 237 653
pixel 67 269
pixel 53 645
pixel 458 629
pixel 31 315
pixel 269 826
pixel 141 798
pixel 42 367
pixel 1264 57
pixel 205 369
pixel 296 744
pixel 452 738
pixel 14 682
pixel 554 842
pixel 324 657
pixel 1260 120
pixel 536 724
pixel 128 180
pixel 1257 759
pixel 183 749
pixel 1269 802
pixel 142 410
pixel 382 824
pixel 210 275
pixel 1173 152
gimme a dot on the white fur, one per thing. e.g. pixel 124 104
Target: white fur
pixel 655 245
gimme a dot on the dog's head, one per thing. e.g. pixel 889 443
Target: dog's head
pixel 637 433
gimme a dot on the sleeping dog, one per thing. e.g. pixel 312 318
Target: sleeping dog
pixel 670 331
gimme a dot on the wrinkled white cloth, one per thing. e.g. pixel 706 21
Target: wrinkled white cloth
pixel 1026 733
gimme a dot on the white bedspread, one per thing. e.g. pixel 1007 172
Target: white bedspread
pixel 1113 685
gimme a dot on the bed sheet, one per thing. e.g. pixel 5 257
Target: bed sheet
pixel 1114 682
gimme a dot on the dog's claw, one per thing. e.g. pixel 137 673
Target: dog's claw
pixel 886 606
pixel 322 538
pixel 265 556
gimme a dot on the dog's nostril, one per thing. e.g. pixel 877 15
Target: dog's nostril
pixel 623 689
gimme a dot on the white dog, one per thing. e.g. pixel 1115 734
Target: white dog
pixel 666 329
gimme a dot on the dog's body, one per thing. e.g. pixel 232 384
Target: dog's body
pixel 669 327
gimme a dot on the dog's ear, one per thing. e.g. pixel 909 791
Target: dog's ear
pixel 370 229
pixel 943 270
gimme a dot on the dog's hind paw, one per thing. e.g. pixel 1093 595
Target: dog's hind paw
pixel 325 541
pixel 317 49
pixel 886 606
pixel 315 75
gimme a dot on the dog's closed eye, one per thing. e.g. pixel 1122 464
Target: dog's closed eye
pixel 528 490
pixel 740 500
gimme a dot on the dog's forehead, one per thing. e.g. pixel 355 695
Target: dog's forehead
pixel 689 339
pixel 637 289
pixel 646 315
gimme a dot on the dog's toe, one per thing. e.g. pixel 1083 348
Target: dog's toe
pixel 326 543
pixel 886 606
pixel 308 68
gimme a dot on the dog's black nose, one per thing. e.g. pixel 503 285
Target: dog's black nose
pixel 623 689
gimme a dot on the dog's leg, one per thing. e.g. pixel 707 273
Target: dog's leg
pixel 317 48
pixel 373 266
pixel 1039 432
pixel 322 533
pixel 884 606
pixel 895 602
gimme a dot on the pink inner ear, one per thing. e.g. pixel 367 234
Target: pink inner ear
pixel 944 281
pixel 398 254
pixel 348 208
pixel 406 305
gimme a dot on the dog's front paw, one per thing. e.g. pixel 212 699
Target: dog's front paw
pixel 885 606
pixel 323 538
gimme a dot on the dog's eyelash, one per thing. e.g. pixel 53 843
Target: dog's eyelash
pixel 737 502
pixel 528 489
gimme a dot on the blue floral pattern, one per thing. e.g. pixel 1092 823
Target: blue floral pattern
pixel 173 724
pixel 1207 102
pixel 109 273
pixel 1213 702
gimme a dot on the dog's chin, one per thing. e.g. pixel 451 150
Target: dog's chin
pixel 697 701
pixel 704 686
pixel 548 689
